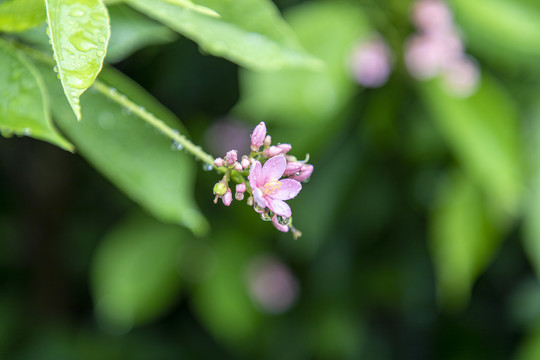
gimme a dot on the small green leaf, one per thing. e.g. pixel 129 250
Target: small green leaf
pixel 134 271
pixel 131 154
pixel 23 101
pixel 19 15
pixel 79 32
pixel 483 132
pixel 131 31
pixel 248 32
pixel 463 239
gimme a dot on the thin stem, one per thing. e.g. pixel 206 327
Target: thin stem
pixel 140 111
pixel 151 119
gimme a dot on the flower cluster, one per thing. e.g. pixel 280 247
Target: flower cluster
pixel 438 49
pixel 371 62
pixel 273 176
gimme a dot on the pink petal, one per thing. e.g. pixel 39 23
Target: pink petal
pixel 289 189
pixel 259 198
pixel 279 207
pixel 274 168
pixel 255 175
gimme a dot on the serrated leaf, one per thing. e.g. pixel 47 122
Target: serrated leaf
pixel 248 32
pixel 463 239
pixel 483 132
pixel 19 15
pixel 134 271
pixel 79 32
pixel 131 31
pixel 23 100
pixel 131 154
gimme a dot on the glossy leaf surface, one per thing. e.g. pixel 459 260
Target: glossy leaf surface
pixel 19 15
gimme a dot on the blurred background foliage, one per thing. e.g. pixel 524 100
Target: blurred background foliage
pixel 421 223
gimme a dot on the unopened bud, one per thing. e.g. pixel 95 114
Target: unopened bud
pixel 272 151
pixel 237 166
pixel 241 188
pixel 220 188
pixel 219 162
pixel 227 198
pixel 257 136
pixel 293 167
pixel 267 140
pixel 231 157
pixel 305 173
pixel 250 201
pixel 285 148
pixel 245 162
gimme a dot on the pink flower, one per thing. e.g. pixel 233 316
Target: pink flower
pixel 231 157
pixel 268 190
pixel 258 135
pixel 227 198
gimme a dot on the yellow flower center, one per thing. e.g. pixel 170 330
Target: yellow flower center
pixel 271 187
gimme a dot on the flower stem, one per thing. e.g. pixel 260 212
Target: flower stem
pixel 152 120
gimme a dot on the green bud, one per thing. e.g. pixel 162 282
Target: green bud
pixel 220 188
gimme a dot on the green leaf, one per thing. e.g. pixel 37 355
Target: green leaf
pixel 132 155
pixel 507 30
pixel 19 15
pixel 79 32
pixel 23 100
pixel 191 6
pixel 134 271
pixel 248 32
pixel 463 239
pixel 131 31
pixel 483 132
pixel 221 300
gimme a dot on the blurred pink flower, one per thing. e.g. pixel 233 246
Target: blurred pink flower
pixel 462 77
pixel 268 190
pixel 371 63
pixel 432 16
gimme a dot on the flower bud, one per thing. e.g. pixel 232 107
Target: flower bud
pixel 237 166
pixel 305 173
pixel 267 140
pixel 258 135
pixel 245 162
pixel 250 201
pixel 293 167
pixel 285 148
pixel 220 188
pixel 241 188
pixel 219 162
pixel 231 157
pixel 272 151
pixel 227 198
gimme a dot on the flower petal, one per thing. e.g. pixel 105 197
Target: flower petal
pixel 279 207
pixel 289 189
pixel 255 175
pixel 274 168
pixel 259 198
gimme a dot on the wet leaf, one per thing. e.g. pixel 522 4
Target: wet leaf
pixel 130 153
pixel 23 100
pixel 19 15
pixel 248 32
pixel 79 32
pixel 134 271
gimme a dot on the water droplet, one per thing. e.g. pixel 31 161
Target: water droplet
pixel 177 146
pixel 101 52
pixel 77 13
pixel 207 167
pixel 27 131
pixel 71 56
pixel 113 91
pixel 266 216
pixel 126 110
pixel 55 68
